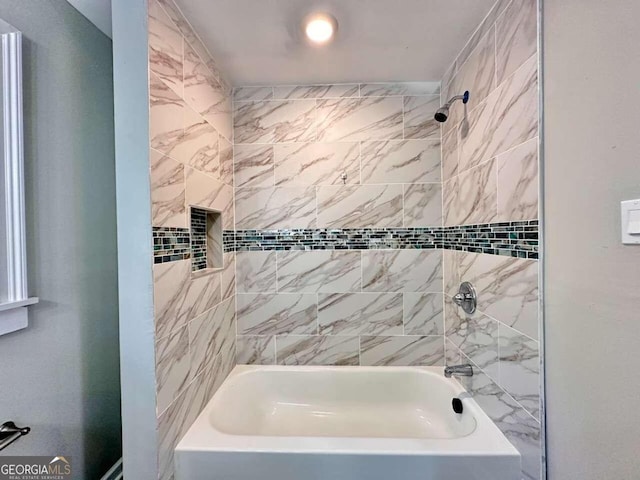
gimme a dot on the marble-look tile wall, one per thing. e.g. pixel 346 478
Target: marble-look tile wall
pixel 334 307
pixel 490 174
pixel 490 145
pixel 338 156
pixel 191 165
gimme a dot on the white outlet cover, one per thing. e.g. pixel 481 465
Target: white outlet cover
pixel 630 216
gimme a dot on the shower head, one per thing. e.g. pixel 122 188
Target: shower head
pixel 442 114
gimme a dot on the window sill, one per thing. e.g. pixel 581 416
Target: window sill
pixel 14 315
pixel 20 303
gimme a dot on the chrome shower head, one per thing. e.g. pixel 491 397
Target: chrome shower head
pixel 442 114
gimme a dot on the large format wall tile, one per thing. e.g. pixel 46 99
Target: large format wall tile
pixel 450 154
pixel 191 164
pixel 253 350
pixel 516 37
pixel 275 207
pixel 172 367
pixel 317 350
pixel 450 202
pixel 477 195
pixel 287 92
pixel 210 194
pixel 176 420
pixel 507 288
pixel 189 36
pixel 211 334
pixel 360 313
pixel 402 350
pixel 452 354
pixel 360 206
pixel 520 428
pixel 475 335
pixel 418 117
pixel 422 205
pixel 477 75
pixel 402 271
pixel 166 116
pixel 228 275
pixel 173 423
pixel 277 121
pixel 490 173
pixel 256 272
pixel 180 132
pixel 518 183
pixel 302 164
pixel 450 261
pixel 423 314
pixel 486 25
pixel 167 191
pixel 401 161
pixel 520 369
pixel 179 298
pixel 319 271
pixel 252 94
pixel 508 117
pixel 360 119
pixel 226 161
pixel 165 47
pixel 205 94
pixel 395 89
pixel 276 314
pixel 253 165
pixel 199 146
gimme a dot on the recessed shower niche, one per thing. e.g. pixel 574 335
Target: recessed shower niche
pixel 206 239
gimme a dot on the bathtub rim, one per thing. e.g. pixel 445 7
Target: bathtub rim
pixel 485 440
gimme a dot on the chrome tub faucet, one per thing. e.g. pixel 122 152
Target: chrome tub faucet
pixel 465 370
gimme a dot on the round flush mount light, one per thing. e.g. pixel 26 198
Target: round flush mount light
pixel 320 27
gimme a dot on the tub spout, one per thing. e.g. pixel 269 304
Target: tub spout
pixel 458 371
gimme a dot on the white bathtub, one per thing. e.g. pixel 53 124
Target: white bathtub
pixel 343 423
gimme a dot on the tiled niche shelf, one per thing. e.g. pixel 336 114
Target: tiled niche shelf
pixel 204 243
pixel 206 239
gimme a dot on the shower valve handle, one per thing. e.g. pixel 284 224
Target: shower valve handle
pixel 466 298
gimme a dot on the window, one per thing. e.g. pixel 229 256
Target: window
pixel 14 297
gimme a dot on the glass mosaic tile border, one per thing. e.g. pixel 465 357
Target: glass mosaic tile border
pixel 171 244
pixel 513 239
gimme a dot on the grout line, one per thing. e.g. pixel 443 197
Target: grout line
pixel 495 173
pixel 404 137
pixel 495 55
pixel 360 161
pixel 317 313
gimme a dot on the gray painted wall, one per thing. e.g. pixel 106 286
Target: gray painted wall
pixel 63 371
pixel 135 254
pixel 592 162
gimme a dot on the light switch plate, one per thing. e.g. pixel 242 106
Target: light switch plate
pixel 630 215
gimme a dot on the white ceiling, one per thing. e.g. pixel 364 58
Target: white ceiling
pixel 259 41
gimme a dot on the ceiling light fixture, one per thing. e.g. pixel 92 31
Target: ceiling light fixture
pixel 320 27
